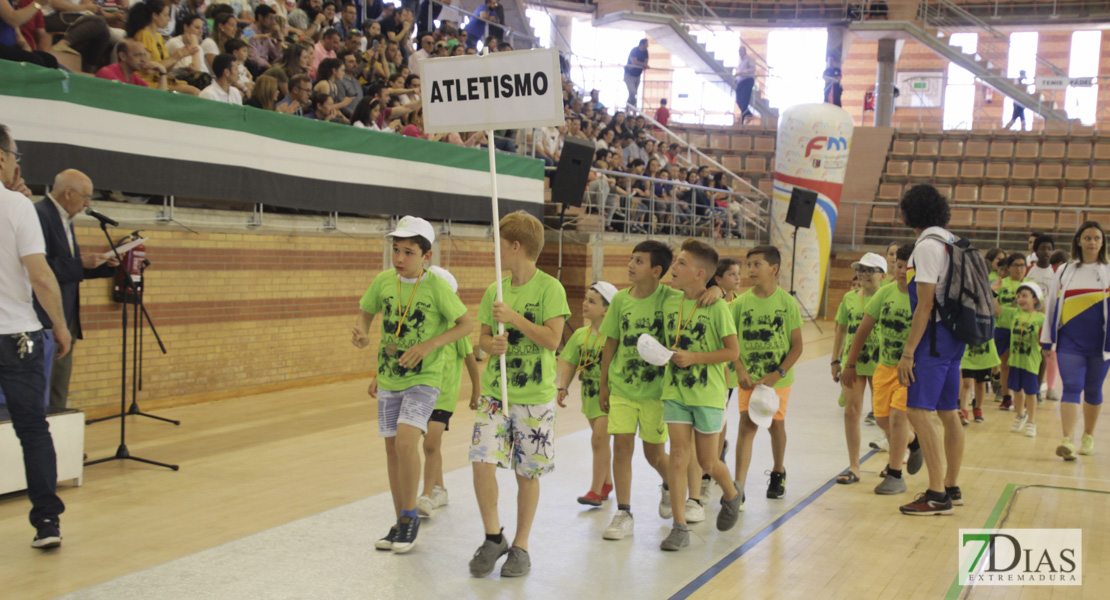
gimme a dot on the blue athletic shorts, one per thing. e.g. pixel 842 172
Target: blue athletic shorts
pixel 1002 340
pixel 1021 380
pixel 936 383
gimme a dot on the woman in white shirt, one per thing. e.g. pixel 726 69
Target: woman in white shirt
pixel 192 69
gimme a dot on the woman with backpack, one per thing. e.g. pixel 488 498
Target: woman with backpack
pixel 1075 330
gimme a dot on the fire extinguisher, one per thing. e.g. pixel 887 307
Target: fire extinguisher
pixel 132 264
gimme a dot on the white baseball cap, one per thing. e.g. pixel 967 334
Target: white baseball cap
pixel 606 289
pixel 410 226
pixel 445 275
pixel 1032 287
pixel 763 405
pixel 871 260
pixel 652 351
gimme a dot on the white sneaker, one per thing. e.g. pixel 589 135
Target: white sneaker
pixel 705 488
pixel 695 512
pixel 1031 430
pixel 620 527
pixel 425 505
pixel 1052 395
pixel 665 511
pixel 1019 424
pixel 439 497
pixel 881 444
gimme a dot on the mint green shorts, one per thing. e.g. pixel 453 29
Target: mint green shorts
pixel 705 419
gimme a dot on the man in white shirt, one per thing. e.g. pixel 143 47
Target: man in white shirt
pixel 1041 270
pixel 932 378
pixel 23 268
pixel 745 80
pixel 427 44
pixel 225 70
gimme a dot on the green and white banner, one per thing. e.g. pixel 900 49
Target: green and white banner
pixel 152 142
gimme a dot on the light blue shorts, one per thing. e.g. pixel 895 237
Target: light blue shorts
pixel 412 406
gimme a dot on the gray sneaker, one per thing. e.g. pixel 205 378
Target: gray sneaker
pixel 916 459
pixel 890 486
pixel 485 558
pixel 518 564
pixel 678 538
pixel 730 512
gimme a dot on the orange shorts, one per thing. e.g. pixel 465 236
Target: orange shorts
pixel 743 397
pixel 886 391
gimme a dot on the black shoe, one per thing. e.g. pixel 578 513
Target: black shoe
pixel 777 487
pixel 47 535
pixel 406 535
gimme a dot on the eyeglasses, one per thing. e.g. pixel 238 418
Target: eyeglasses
pixel 18 155
pixel 867 271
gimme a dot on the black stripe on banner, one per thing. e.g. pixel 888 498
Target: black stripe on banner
pixel 158 176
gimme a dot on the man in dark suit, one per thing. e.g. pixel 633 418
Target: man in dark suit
pixel 71 194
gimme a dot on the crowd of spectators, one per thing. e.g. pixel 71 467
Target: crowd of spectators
pixel 330 62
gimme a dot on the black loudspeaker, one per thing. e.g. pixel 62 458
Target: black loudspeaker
pixel 800 212
pixel 569 184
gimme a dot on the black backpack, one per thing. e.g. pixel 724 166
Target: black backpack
pixel 967 309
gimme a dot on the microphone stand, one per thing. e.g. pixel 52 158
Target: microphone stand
pixel 122 452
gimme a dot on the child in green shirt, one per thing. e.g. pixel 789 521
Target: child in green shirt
pixel 769 325
pixel 417 310
pixel 455 356
pixel 975 371
pixel 694 387
pixel 582 356
pixel 870 271
pixel 521 435
pixel 1006 307
pixel 1025 357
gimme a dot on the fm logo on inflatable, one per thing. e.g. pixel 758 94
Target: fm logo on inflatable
pixel 826 143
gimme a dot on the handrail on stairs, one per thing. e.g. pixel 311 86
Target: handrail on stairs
pixel 995 34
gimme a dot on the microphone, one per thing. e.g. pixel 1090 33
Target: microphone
pixel 103 219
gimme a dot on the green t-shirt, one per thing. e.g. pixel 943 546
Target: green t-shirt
pixel 584 349
pixel 890 307
pixel 764 326
pixel 993 276
pixel 529 366
pixel 1025 341
pixel 978 358
pixel 630 376
pixel 1007 300
pixel 702 330
pixel 432 309
pixel 454 356
pixel 850 315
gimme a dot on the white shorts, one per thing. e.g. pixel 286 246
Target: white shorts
pixel 412 406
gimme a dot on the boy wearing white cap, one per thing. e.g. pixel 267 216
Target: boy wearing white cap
pixel 582 356
pixel 454 357
pixel 1025 357
pixel 870 271
pixel 418 310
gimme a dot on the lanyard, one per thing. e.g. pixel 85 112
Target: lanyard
pixel 407 306
pixel 584 359
pixel 682 326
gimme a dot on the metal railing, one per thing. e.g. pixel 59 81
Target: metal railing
pixel 986 230
pixel 670 214
pixel 510 33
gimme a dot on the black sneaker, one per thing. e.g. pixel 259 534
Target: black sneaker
pixel 955 495
pixel 777 487
pixel 406 535
pixel 386 543
pixel 47 535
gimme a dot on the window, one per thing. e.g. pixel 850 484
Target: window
pixel 542 23
pixel 797 59
pixel 698 98
pixel 959 94
pixel 600 54
pixel 1022 57
pixel 1082 102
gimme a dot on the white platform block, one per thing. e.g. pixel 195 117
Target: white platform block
pixel 68 431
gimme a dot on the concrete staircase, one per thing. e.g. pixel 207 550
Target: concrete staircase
pixel 989 73
pixel 677 39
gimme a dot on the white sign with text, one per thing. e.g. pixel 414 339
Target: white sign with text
pixel 504 90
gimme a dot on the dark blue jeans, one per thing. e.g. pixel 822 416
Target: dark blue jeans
pixel 24 383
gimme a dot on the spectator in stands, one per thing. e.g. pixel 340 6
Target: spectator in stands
pixel 327 82
pixel 637 62
pixel 832 75
pixel 263 21
pixel 265 43
pixel 574 126
pixel 192 69
pixel 650 149
pixel 132 59
pixel 745 81
pixel 143 23
pixel 366 116
pixel 34 31
pixel 1019 110
pixel 412 90
pixel 726 201
pixel 348 83
pixel 415 127
pixel 458 50
pixel 671 155
pixel 618 124
pixel 85 47
pixel 325 48
pixel 635 150
pixel 225 28
pixel 347 21
pixel 597 194
pixel 468 139
pixel 265 94
pixel 13 44
pixel 321 107
pixel 605 140
pixel 308 20
pixel 476 26
pixel 222 88
pixel 243 80
pixel 389 113
pixel 547 145
pixel 294 61
pixel 427 45
pixel 401 33
pixel 663 114
pixel 58 15
pixel 300 90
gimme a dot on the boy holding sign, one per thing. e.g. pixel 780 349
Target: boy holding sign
pixel 521 435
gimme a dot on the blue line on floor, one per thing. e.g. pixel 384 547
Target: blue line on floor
pixel 733 556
